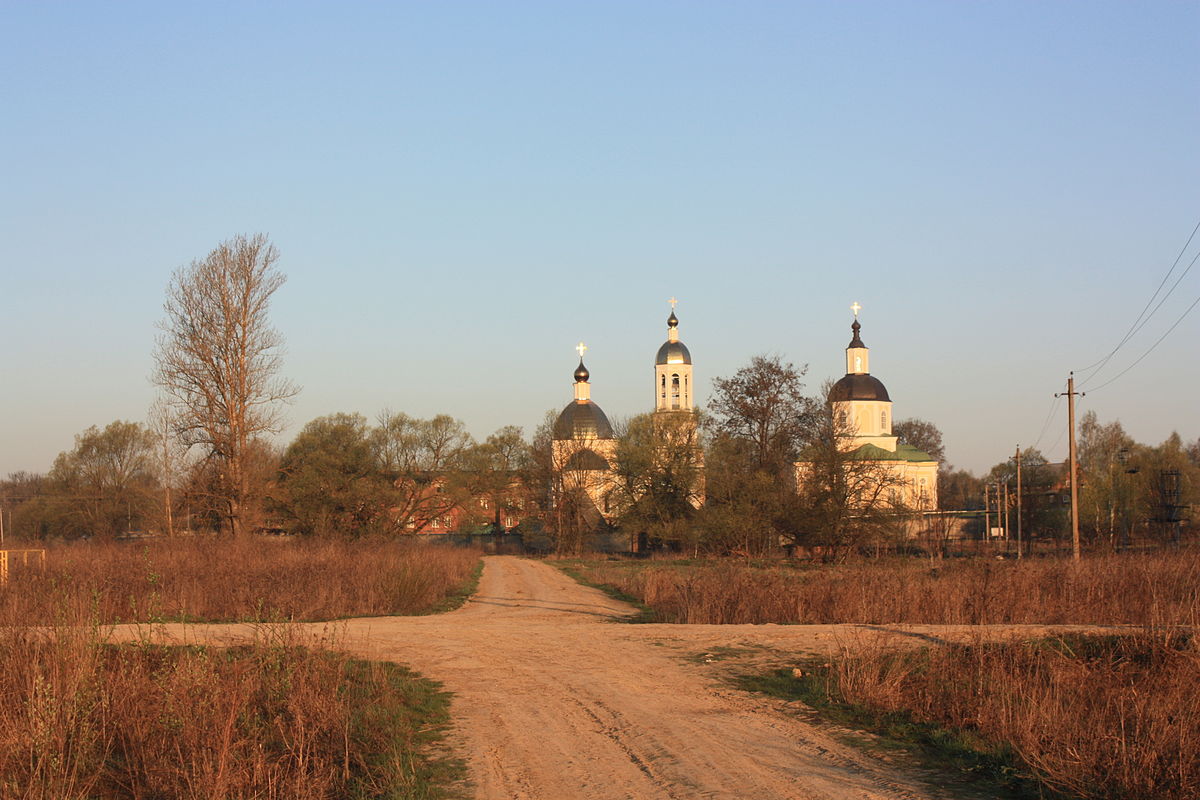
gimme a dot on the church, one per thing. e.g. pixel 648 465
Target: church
pixel 585 447
pixel 862 411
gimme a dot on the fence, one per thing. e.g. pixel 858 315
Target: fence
pixel 7 555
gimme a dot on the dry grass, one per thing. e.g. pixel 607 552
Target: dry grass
pixel 1095 717
pixel 214 580
pixel 1158 590
pixel 286 718
pixel 80 719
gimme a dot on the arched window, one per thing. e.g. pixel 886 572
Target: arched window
pixel 883 421
pixel 675 390
pixel 663 391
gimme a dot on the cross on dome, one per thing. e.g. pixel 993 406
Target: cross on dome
pixel 855 307
pixel 673 303
pixel 581 348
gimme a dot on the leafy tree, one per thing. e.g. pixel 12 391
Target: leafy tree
pixel 105 483
pixel 23 496
pixel 1103 476
pixel 659 475
pixel 330 481
pixel 923 435
pixel 959 489
pixel 742 502
pixel 218 362
pixel 496 466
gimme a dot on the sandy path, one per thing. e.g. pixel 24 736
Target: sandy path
pixel 554 701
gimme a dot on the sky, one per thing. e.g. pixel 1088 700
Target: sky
pixel 460 192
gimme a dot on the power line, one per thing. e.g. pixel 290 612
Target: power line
pixel 1151 350
pixel 1054 404
pixel 1156 308
pixel 1142 318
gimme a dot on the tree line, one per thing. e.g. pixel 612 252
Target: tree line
pixel 720 481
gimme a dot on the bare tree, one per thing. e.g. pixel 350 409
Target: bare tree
pixel 763 404
pixel 218 360
pixel 845 498
pixel 426 461
pixel 170 458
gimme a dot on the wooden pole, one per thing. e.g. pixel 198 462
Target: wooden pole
pixel 1007 527
pixel 987 519
pixel 1074 474
pixel 1018 457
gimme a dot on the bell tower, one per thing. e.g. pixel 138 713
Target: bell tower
pixel 673 384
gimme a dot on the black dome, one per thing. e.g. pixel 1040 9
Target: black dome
pixel 582 420
pixel 581 372
pixel 673 353
pixel 858 387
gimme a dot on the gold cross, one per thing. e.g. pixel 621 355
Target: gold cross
pixel 673 303
pixel 581 348
pixel 856 308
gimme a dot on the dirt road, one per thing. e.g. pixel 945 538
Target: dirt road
pixel 556 700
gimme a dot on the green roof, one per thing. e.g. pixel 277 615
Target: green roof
pixel 904 452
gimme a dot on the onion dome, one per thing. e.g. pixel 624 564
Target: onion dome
pixel 673 351
pixel 856 341
pixel 582 420
pixel 858 387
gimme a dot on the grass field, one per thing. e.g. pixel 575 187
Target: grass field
pixel 1096 717
pixel 287 718
pixel 1159 590
pixel 213 580
pixel 1089 716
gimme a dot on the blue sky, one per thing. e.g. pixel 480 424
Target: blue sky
pixel 462 191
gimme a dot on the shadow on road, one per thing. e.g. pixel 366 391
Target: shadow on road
pixel 586 609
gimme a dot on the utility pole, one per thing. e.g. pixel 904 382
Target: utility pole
pixel 1018 457
pixel 987 520
pixel 1074 473
pixel 1007 527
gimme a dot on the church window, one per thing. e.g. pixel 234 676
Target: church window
pixel 882 420
pixel 675 391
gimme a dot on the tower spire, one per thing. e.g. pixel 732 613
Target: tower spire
pixel 583 391
pixel 856 351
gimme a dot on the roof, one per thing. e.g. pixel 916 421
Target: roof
pixel 904 452
pixel 673 353
pixel 582 419
pixel 858 387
